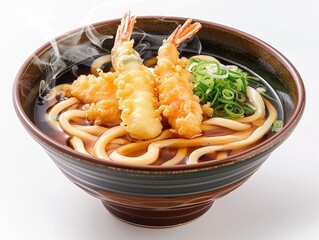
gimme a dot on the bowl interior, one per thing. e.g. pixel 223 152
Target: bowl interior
pixel 221 41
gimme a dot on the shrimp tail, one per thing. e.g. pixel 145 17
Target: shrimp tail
pixel 124 30
pixel 123 34
pixel 182 33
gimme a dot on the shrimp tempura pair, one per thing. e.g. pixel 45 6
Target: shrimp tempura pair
pixel 138 97
pixel 136 86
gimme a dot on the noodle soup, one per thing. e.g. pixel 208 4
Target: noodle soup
pixel 154 195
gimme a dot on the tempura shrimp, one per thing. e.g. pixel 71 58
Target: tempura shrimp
pixel 98 92
pixel 178 103
pixel 135 86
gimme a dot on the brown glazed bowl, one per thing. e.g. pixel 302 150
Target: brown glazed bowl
pixel 158 196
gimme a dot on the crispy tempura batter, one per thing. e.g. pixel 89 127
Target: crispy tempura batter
pixel 99 92
pixel 136 86
pixel 180 106
pixel 104 112
pixel 91 89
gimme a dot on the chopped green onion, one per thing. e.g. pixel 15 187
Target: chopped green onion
pixel 228 94
pixel 263 92
pixel 234 110
pixel 277 126
pixel 249 110
pixel 241 97
pixel 251 106
pixel 224 87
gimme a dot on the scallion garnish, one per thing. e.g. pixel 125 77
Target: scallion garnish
pixel 224 87
pixel 263 92
pixel 277 126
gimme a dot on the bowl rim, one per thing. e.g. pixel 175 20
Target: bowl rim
pixel 274 140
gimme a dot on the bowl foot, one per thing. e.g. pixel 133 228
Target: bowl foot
pixel 157 218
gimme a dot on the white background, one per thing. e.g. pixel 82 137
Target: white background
pixel 281 201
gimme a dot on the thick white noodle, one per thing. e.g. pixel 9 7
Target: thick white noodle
pixel 228 123
pixel 95 129
pixel 64 119
pixel 53 114
pixel 134 146
pixel 256 100
pixel 255 136
pixel 180 155
pixel 78 145
pixel 119 141
pixel 97 63
pixel 206 127
pixel 107 137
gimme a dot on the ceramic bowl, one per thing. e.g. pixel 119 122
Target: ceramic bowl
pixel 158 196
